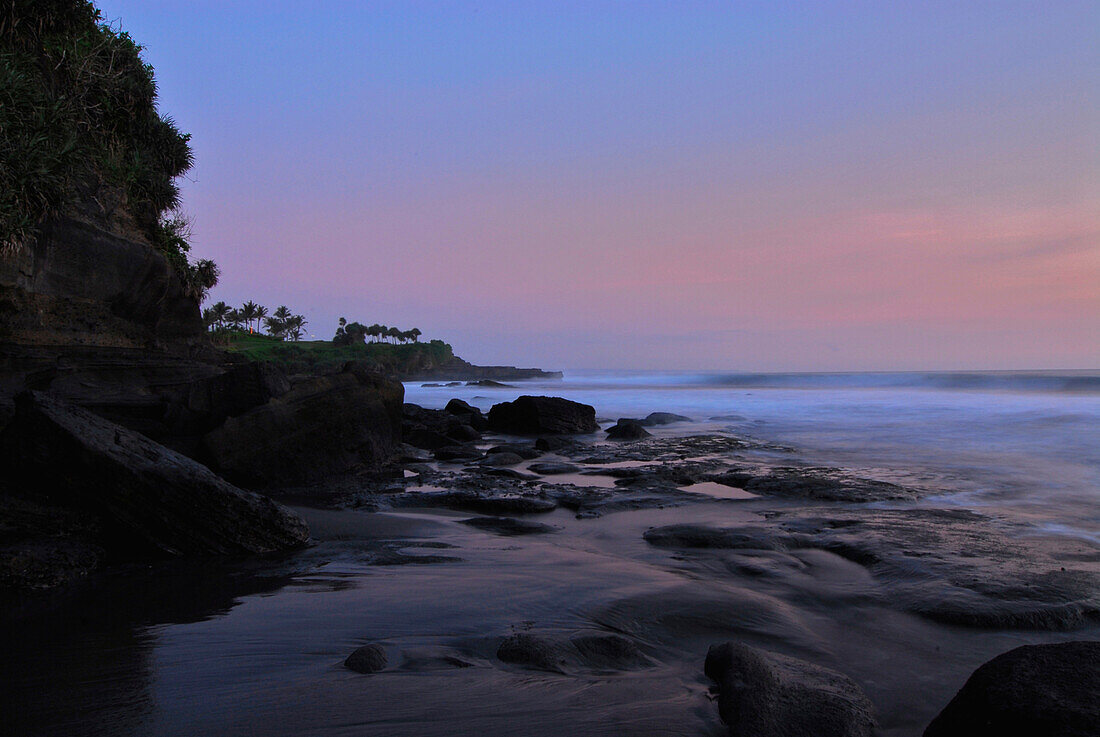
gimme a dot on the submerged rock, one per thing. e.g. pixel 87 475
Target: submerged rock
pixel 367 659
pixel 530 415
pixel 663 418
pixel 140 497
pixel 765 694
pixel 1049 690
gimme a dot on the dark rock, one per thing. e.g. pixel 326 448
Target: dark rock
pixel 458 407
pixel 663 418
pixel 143 498
pixel 486 382
pixel 627 430
pixel 323 426
pixel 525 452
pixel 468 414
pixel 552 444
pixel 701 536
pixel 1049 690
pixel 367 659
pixel 825 484
pixel 508 526
pixel 765 694
pixel 531 651
pixel 530 415
pixel 457 453
pixel 427 439
pixel 509 473
pixel 501 459
pixel 85 281
pixel 552 468
pixel 463 433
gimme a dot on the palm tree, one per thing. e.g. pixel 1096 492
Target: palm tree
pixel 415 335
pixel 294 325
pixel 394 333
pixel 209 318
pixel 220 313
pixel 248 313
pixel 261 313
pixel 234 318
pixel 277 323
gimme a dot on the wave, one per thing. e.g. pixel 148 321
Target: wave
pixel 1036 381
pixel 1058 382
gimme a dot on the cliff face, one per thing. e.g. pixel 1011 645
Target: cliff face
pixel 84 284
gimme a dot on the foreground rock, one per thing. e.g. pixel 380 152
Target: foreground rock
pixel 765 694
pixel 949 565
pixel 627 430
pixel 367 659
pixel 323 426
pixel 1049 690
pixel 132 496
pixel 529 415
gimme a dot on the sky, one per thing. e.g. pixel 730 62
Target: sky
pixel 652 185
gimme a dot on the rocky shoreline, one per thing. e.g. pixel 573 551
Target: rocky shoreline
pixel 139 447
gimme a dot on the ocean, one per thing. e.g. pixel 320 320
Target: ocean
pixel 998 546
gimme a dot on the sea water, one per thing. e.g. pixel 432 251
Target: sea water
pixel 1025 442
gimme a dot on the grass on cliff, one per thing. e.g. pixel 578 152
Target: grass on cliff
pixel 79 125
pixel 310 356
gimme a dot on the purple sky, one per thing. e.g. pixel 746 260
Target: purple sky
pixel 676 185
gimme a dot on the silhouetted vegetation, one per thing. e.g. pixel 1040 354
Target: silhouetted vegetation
pixel 79 124
pixel 353 333
pixel 227 323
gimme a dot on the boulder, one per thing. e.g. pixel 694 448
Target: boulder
pixel 323 426
pixel 468 414
pixel 552 444
pixel 532 651
pixel 525 452
pixel 765 694
pixel 530 415
pixel 627 430
pixel 142 498
pixel 1049 690
pixel 367 659
pixel 501 459
pixel 457 453
pixel 458 407
pixel 663 418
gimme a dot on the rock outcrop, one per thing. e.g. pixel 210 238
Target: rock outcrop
pixel 1049 690
pixel 109 491
pixel 530 415
pixel 627 429
pixel 323 426
pixel 765 694
pixel 89 281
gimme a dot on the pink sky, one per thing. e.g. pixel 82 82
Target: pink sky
pixel 679 186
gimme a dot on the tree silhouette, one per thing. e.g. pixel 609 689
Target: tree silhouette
pixel 248 313
pixel 261 313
